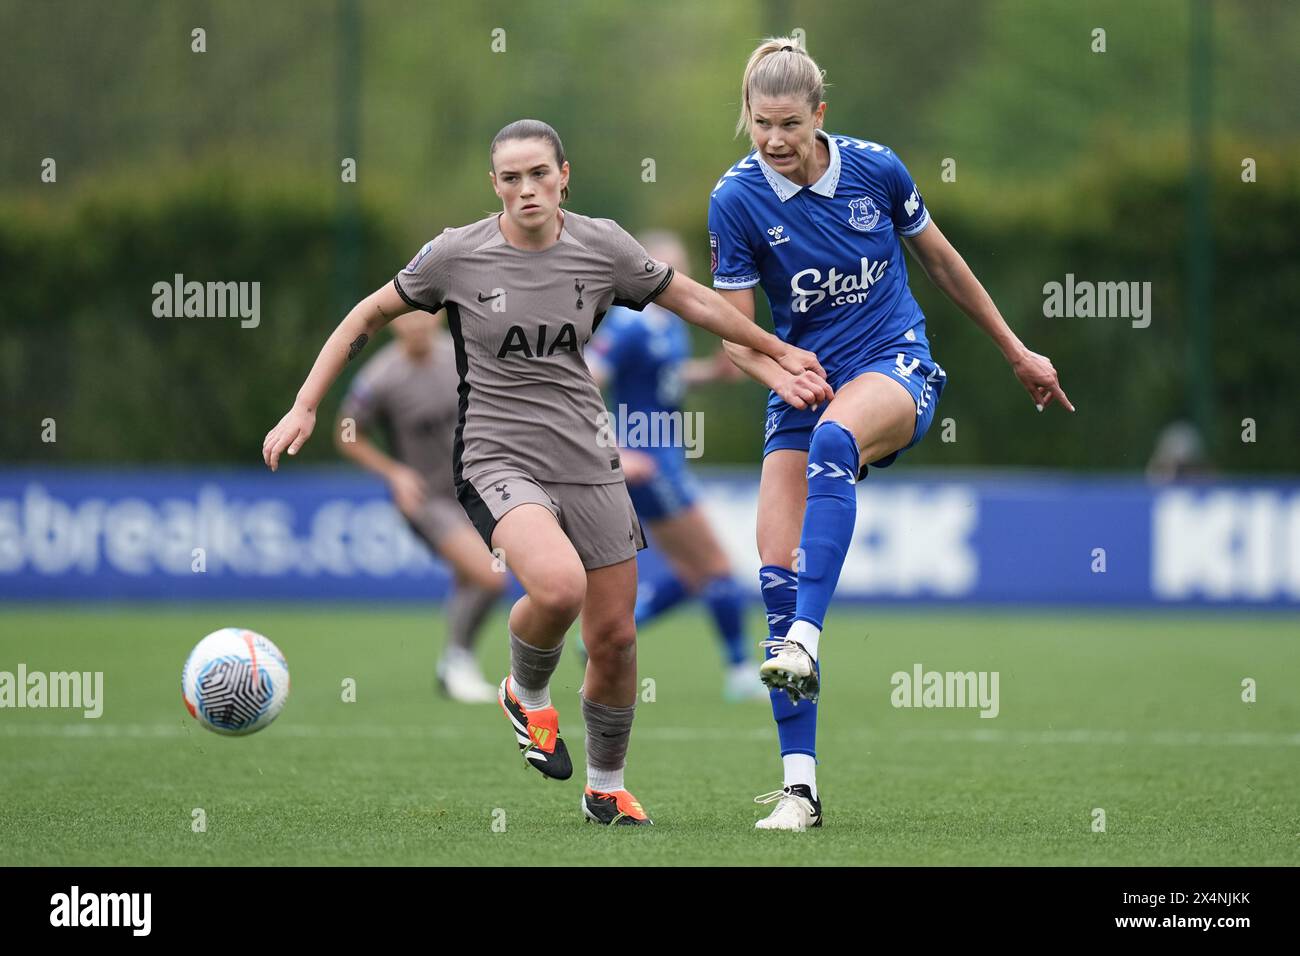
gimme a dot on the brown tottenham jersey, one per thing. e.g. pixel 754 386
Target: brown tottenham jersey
pixel 414 404
pixel 520 321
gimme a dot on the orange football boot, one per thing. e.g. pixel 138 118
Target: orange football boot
pixel 538 734
pixel 619 808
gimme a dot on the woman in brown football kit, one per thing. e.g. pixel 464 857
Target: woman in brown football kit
pixel 523 290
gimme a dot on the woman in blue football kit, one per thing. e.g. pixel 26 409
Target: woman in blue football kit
pixel 644 359
pixel 816 220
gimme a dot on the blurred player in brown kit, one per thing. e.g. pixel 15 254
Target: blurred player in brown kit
pixel 407 393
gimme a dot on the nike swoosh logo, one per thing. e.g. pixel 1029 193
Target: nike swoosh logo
pixel 489 298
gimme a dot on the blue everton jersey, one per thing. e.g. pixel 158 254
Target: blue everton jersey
pixel 827 255
pixel 643 353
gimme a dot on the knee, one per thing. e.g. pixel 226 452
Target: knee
pixel 560 597
pixel 710 563
pixel 834 449
pixel 693 576
pixel 778 534
pixel 774 555
pixel 778 549
pixel 612 642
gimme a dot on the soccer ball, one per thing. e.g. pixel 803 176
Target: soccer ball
pixel 235 681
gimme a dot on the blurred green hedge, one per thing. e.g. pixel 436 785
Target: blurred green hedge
pixel 79 342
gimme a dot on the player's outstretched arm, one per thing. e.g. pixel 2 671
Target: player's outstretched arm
pixel 408 487
pixel 718 367
pixel 704 307
pixel 949 271
pixel 346 342
pixel 805 390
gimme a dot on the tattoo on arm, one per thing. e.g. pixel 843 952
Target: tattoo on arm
pixel 357 345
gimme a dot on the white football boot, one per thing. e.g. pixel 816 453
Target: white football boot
pixel 461 680
pixel 795 809
pixel 791 669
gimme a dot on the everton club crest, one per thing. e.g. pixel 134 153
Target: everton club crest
pixel 864 214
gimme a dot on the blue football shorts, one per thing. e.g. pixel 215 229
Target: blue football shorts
pixel 670 491
pixel 908 363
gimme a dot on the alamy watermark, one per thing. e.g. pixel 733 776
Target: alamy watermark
pixel 75 908
pixel 1103 300
pixel 179 299
pixel 922 688
pixel 77 690
pixel 636 430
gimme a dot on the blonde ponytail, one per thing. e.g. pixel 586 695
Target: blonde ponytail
pixel 779 67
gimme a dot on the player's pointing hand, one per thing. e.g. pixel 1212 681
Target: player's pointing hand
pixel 292 432
pixel 1038 376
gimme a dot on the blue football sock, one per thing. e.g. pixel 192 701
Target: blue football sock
pixel 726 604
pixel 796 724
pixel 828 518
pixel 658 594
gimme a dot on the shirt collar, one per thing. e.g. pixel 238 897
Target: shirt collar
pixel 825 186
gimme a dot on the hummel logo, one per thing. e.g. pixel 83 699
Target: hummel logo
pixel 773 580
pixel 832 471
pixel 489 298
pixel 501 490
pixel 578 287
pixel 777 238
pixel 909 206
pixel 902 369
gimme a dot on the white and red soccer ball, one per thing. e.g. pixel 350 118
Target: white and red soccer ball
pixel 235 681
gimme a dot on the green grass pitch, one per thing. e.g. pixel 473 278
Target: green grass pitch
pixel 1138 714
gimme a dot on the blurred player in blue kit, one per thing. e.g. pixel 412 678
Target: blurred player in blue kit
pixel 644 360
pixel 818 221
